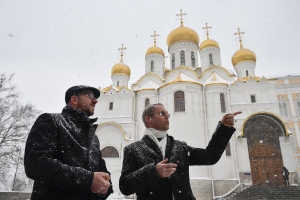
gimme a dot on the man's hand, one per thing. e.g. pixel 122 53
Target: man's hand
pixel 165 169
pixel 228 119
pixel 100 183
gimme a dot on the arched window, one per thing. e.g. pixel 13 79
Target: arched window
pixel 152 66
pixel 117 83
pixel 193 59
pixel 110 152
pixel 147 102
pixel 280 109
pixel 222 101
pixel 210 59
pixel 228 149
pixel 182 58
pixel 179 101
pixel 173 61
pixel 285 110
pixel 247 73
pixel 298 105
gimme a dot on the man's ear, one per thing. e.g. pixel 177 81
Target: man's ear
pixel 74 100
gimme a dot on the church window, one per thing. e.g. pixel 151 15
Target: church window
pixel 152 66
pixel 228 149
pixel 111 105
pixel 179 101
pixel 222 101
pixel 247 73
pixel 193 59
pixel 280 109
pixel 147 102
pixel 285 113
pixel 210 59
pixel 173 61
pixel 182 57
pixel 110 152
pixel 117 83
pixel 253 100
pixel 298 106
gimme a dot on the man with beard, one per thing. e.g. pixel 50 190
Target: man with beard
pixel 62 153
pixel 157 166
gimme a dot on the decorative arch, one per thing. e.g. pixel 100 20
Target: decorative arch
pixel 110 152
pixel 116 125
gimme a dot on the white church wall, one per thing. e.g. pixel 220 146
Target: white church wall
pixel 158 64
pixel 187 47
pixel 204 57
pixel 287 154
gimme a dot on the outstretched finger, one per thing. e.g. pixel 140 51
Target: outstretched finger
pixel 236 113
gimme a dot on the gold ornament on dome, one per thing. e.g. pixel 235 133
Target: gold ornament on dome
pixel 208 42
pixel 121 68
pixel 154 48
pixel 182 34
pixel 242 54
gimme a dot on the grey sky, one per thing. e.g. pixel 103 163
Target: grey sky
pixel 52 45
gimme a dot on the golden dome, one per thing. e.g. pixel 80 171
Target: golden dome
pixel 208 43
pixel 155 49
pixel 120 68
pixel 182 34
pixel 243 55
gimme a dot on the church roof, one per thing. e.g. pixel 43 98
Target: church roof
pixel 216 79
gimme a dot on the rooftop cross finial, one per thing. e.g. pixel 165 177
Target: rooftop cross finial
pixel 121 49
pixel 206 27
pixel 154 37
pixel 181 19
pixel 240 38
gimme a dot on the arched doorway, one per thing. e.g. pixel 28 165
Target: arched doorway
pixel 262 131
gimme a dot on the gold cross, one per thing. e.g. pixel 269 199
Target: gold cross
pixel 121 49
pixel 181 19
pixel 154 37
pixel 240 38
pixel 206 27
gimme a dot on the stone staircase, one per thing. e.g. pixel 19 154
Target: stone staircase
pixel 265 193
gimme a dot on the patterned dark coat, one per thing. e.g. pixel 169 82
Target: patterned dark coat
pixel 61 154
pixel 139 174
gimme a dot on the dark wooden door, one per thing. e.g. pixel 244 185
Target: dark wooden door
pixel 266 166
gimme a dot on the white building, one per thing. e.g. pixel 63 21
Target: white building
pixel 197 91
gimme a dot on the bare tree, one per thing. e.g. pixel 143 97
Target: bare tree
pixel 15 122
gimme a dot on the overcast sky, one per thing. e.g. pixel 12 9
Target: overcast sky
pixel 52 45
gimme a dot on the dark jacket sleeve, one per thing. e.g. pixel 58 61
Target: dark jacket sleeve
pixel 134 179
pixel 215 148
pixel 40 163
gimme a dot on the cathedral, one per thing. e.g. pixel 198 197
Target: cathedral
pixel 198 91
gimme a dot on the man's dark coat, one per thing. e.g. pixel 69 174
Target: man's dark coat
pixel 139 174
pixel 61 154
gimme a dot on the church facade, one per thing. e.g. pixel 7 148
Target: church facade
pixel 267 135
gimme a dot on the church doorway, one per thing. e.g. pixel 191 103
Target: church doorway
pixel 262 131
pixel 266 166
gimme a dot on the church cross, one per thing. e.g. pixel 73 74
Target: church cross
pixel 121 49
pixel 181 19
pixel 206 27
pixel 154 37
pixel 240 38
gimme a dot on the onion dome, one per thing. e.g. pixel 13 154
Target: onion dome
pixel 209 43
pixel 120 68
pixel 182 34
pixel 155 49
pixel 243 55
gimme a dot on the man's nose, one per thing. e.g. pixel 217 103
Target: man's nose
pixel 95 100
